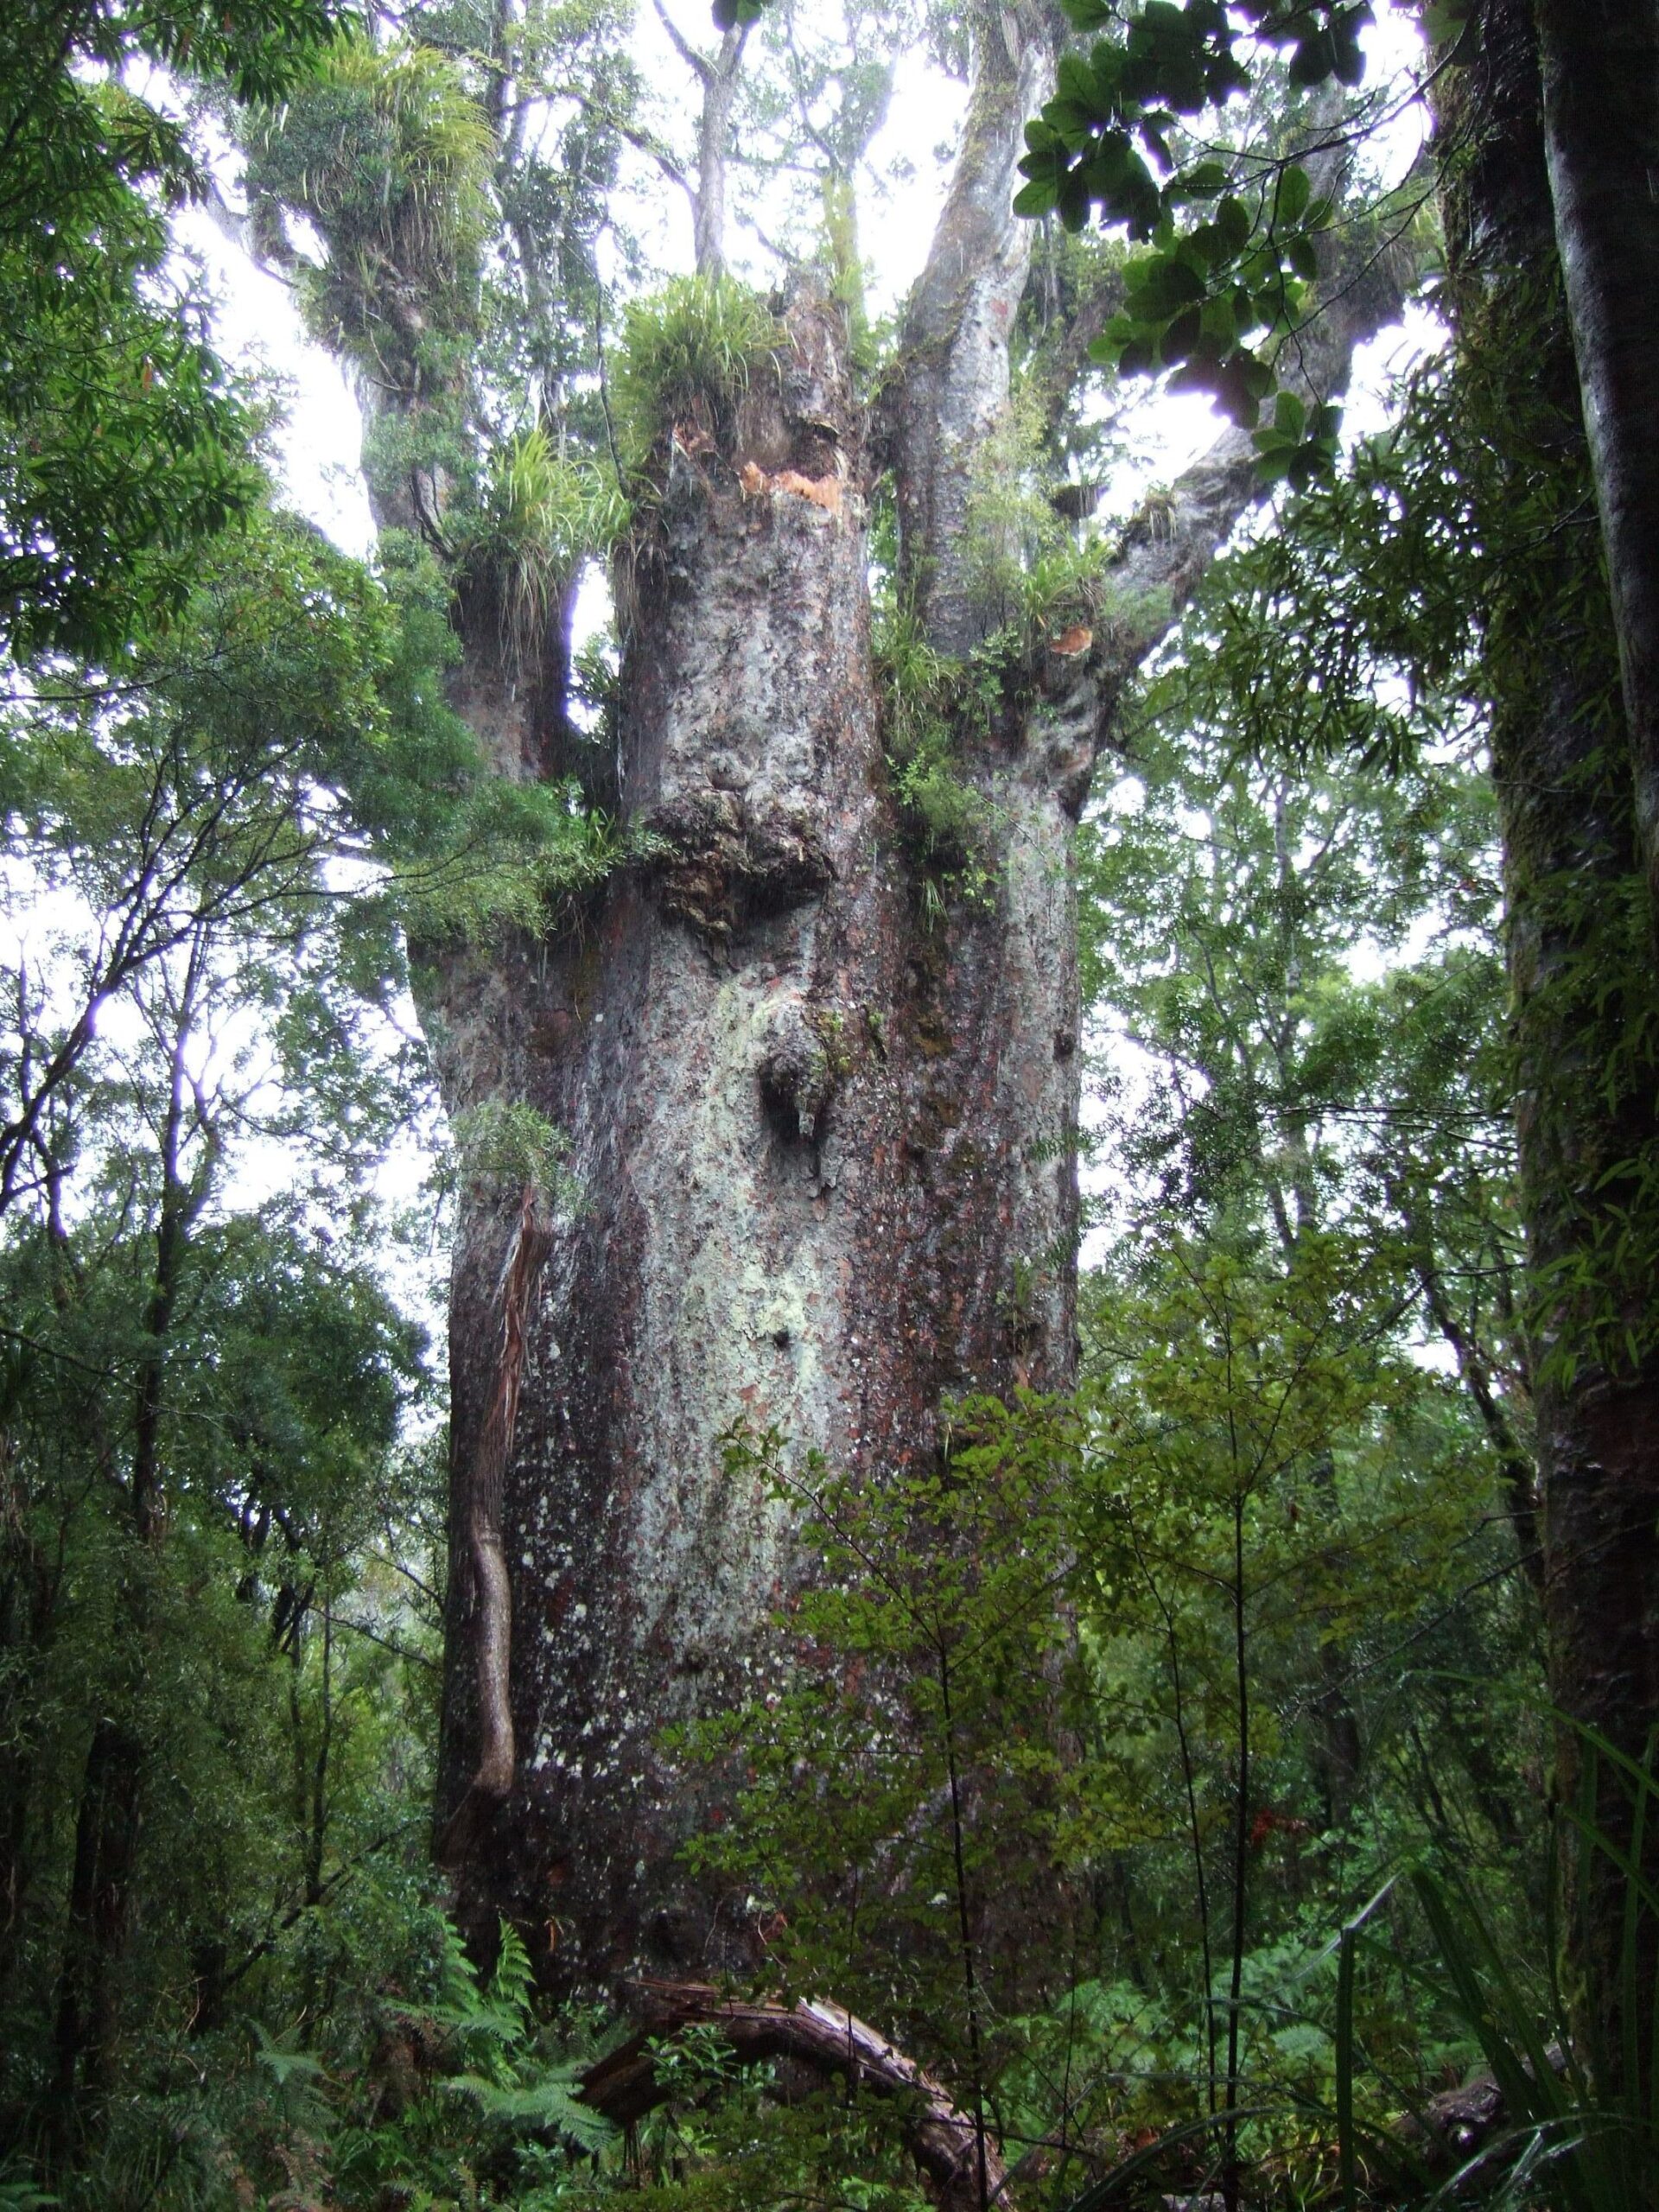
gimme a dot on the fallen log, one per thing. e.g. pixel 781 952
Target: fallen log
pixel 1455 2127
pixel 963 2167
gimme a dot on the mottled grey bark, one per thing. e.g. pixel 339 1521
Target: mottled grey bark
pixel 1600 71
pixel 824 1137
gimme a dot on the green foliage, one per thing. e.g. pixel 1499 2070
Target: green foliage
pixel 509 2079
pixel 505 1145
pixel 913 1771
pixel 928 701
pixel 1199 296
pixel 1561 2137
pixel 390 156
pixel 121 442
pixel 1098 1722
pixel 539 517
pixel 689 353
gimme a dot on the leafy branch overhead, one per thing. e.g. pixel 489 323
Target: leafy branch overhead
pixel 1209 297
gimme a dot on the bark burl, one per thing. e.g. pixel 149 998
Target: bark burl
pixel 824 1137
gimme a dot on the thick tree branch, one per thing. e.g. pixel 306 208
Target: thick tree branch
pixel 696 62
pixel 1170 544
pixel 952 382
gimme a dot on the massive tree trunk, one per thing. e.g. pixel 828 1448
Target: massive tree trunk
pixel 1579 968
pixel 821 1113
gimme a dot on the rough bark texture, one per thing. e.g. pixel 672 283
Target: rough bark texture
pixel 823 1156
pixel 824 1133
pixel 1600 67
pixel 1582 983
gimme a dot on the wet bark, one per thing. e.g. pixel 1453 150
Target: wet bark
pixel 1581 978
pixel 823 1128
pixel 1600 71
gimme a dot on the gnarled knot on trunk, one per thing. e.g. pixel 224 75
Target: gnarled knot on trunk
pixel 730 861
pixel 801 1062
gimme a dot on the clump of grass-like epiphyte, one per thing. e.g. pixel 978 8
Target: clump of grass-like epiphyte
pixel 390 157
pixel 926 698
pixel 689 351
pixel 539 516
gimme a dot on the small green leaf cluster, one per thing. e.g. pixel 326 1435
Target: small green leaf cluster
pixel 688 354
pixel 1174 62
pixel 505 1145
pixel 1197 299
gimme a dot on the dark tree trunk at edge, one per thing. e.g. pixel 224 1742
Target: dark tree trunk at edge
pixel 1580 974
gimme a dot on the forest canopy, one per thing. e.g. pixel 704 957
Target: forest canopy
pixel 827 1352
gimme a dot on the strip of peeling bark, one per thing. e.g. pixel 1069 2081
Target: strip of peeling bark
pixel 1599 60
pixel 493 1602
pixel 815 2032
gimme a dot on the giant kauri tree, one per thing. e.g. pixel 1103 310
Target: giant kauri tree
pixel 805 1036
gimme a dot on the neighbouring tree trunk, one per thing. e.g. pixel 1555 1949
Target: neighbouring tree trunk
pixel 1580 974
pixel 713 146
pixel 823 1127
pixel 1600 67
